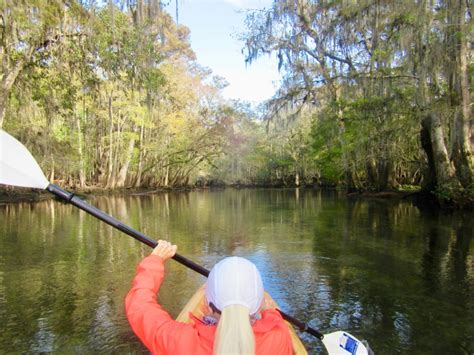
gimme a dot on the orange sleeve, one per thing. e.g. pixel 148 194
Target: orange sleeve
pixel 150 322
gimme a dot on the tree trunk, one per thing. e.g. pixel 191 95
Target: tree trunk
pixel 461 154
pixel 383 174
pixel 371 171
pixel 167 162
pixel 392 182
pixel 437 152
pixel 3 106
pixel 51 176
pixel 441 173
pixel 167 174
pixel 348 175
pixel 138 180
pixel 8 79
pixel 123 171
pixel 429 176
pixel 110 175
pixel 380 174
pixel 82 176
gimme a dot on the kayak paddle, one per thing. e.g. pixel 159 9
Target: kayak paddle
pixel 19 168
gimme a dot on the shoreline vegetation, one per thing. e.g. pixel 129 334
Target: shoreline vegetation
pixel 422 199
pixel 372 100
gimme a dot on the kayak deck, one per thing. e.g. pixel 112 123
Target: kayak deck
pixel 195 306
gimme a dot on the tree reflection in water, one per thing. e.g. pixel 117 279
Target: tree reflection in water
pixel 386 271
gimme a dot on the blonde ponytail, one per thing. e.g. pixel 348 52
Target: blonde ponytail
pixel 234 332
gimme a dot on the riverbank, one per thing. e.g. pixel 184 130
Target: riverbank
pixel 19 194
pixel 424 199
pixel 420 198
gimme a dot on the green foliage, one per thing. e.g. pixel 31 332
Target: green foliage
pixel 351 133
pixel 452 195
pixel 372 72
pixel 261 154
pixel 111 99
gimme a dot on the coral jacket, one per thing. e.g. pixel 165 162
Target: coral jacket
pixel 163 335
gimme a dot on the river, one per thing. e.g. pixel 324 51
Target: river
pixel 400 277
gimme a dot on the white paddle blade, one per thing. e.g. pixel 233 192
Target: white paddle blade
pixel 342 343
pixel 17 165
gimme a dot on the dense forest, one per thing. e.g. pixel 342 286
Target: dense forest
pixel 375 96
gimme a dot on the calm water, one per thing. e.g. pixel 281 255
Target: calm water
pixel 385 271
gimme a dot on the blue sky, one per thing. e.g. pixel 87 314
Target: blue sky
pixel 214 25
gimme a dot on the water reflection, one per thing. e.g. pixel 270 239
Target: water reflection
pixel 383 270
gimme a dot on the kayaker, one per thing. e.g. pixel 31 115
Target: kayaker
pixel 239 319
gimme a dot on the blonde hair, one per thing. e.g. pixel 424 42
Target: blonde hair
pixel 234 332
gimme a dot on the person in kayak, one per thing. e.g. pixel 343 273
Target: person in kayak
pixel 239 319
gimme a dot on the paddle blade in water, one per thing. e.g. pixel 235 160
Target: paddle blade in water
pixel 17 165
pixel 342 343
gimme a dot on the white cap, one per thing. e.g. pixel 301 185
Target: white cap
pixel 235 280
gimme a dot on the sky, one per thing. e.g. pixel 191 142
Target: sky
pixel 214 25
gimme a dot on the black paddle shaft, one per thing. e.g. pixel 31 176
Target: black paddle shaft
pixel 94 211
pixel 76 201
